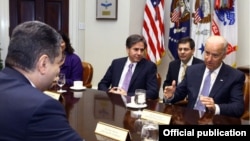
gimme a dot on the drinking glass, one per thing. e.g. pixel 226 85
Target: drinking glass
pixel 150 131
pixel 140 96
pixel 60 82
pixel 138 125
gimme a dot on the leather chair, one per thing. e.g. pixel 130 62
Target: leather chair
pixel 158 76
pixel 87 74
pixel 158 80
pixel 246 92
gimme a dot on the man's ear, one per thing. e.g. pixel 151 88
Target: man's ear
pixel 42 64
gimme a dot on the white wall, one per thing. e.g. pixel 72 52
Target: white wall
pixel 243 52
pixel 4 27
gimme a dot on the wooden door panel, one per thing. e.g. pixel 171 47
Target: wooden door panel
pixel 26 10
pixel 53 16
pixel 56 14
pixel 53 12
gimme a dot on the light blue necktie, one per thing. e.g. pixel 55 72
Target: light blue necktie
pixel 205 92
pixel 127 78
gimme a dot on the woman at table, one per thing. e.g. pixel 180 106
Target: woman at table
pixel 72 66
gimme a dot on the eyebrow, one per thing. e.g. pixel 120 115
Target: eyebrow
pixel 139 48
pixel 184 48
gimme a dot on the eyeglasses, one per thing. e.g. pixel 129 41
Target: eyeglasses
pixel 184 49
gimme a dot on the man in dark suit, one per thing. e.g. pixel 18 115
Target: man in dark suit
pixel 33 61
pixel 143 71
pixel 225 95
pixel 176 69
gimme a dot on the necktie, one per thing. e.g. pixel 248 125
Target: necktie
pixel 183 71
pixel 127 77
pixel 205 92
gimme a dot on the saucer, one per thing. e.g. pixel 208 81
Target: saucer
pixel 77 88
pixel 133 105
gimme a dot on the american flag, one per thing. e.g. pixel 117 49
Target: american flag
pixel 176 15
pixel 198 16
pixel 153 29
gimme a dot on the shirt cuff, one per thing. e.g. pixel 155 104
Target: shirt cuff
pixel 168 100
pixel 217 109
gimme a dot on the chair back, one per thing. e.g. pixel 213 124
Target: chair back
pixel 246 91
pixel 87 74
pixel 158 76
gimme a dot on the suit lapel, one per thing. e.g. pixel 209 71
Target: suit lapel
pixel 176 69
pixel 137 70
pixel 119 68
pixel 222 77
pixel 194 61
pixel 199 75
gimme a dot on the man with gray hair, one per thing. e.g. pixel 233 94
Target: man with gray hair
pixel 211 86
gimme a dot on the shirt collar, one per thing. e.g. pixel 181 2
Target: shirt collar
pixel 129 62
pixel 189 63
pixel 216 71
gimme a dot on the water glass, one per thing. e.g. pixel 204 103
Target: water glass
pixel 138 125
pixel 60 82
pixel 150 131
pixel 140 96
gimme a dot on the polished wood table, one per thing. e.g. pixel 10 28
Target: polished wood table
pixel 86 108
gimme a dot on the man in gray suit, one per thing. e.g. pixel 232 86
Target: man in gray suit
pixel 225 95
pixel 33 61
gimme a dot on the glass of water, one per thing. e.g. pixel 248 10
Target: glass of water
pixel 150 131
pixel 140 96
pixel 60 82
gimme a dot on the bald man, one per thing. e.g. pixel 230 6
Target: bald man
pixel 225 96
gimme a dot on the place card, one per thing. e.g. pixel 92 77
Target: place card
pixel 54 95
pixel 111 131
pixel 103 138
pixel 154 116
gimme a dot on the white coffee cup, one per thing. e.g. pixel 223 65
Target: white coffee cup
pixel 78 84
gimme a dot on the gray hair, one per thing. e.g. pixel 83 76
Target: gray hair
pixel 29 41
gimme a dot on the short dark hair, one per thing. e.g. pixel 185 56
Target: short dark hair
pixel 135 38
pixel 29 41
pixel 187 40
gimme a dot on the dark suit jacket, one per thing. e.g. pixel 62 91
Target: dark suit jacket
pixel 27 114
pixel 144 77
pixel 227 90
pixel 173 71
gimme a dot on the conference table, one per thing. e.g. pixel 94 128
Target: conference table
pixel 85 108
